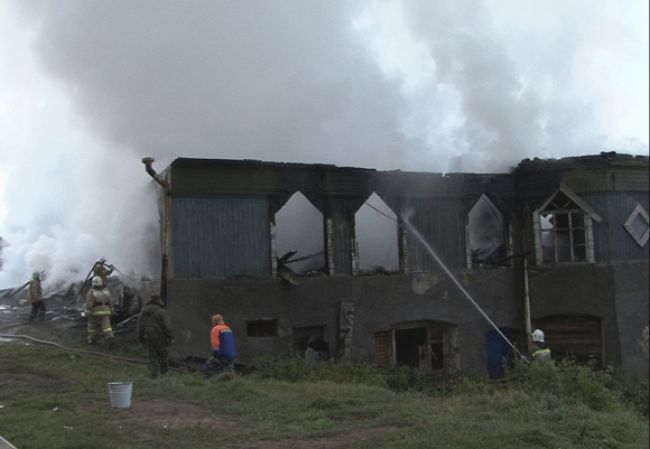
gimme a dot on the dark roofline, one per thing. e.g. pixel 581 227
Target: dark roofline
pixel 604 159
pixel 189 162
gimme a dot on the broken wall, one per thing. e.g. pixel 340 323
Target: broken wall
pixel 380 303
pixel 438 206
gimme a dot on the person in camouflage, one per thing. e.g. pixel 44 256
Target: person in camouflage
pixel 36 298
pixel 155 333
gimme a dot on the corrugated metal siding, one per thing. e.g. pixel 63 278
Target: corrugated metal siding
pixel 612 241
pixel 342 246
pixel 217 237
pixel 442 224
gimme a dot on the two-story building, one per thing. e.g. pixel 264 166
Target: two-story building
pixel 557 244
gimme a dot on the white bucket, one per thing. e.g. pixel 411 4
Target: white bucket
pixel 120 393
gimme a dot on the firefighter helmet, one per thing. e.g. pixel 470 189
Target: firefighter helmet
pixel 97 282
pixel 538 336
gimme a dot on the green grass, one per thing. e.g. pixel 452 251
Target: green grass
pixel 52 399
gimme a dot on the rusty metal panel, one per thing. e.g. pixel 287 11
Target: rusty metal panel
pixel 218 237
pixel 213 177
pixel 605 179
pixel 612 242
pixel 574 336
pixel 383 346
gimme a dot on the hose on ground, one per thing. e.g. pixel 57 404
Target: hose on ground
pixel 84 351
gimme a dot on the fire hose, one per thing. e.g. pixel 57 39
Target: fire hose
pixel 83 351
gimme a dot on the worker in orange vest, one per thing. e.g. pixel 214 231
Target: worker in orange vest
pixel 224 351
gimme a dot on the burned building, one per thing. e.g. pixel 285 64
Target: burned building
pixel 557 244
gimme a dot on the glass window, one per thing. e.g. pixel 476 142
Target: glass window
pixel 563 231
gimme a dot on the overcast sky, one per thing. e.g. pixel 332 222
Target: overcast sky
pixel 88 87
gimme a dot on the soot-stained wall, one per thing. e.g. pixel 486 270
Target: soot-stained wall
pixel 613 291
pixel 632 293
pixel 380 303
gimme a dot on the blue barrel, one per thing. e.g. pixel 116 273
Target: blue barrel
pixel 499 352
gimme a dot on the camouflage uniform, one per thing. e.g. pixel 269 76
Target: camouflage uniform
pixel 155 332
pixel 99 308
pixel 36 298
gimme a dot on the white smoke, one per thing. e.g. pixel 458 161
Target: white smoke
pixel 88 87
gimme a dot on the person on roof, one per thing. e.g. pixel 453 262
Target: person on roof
pixel 103 270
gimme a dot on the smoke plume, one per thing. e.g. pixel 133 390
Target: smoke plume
pixel 93 86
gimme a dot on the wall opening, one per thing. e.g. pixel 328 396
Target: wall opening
pixel 299 236
pixel 265 327
pixel 376 236
pixel 311 339
pixel 486 236
pixel 579 337
pixel 410 347
pixel 426 345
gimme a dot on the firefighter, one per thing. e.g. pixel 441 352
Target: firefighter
pixel 103 270
pixel 99 308
pixel 155 333
pixel 223 349
pixel 539 351
pixel 36 298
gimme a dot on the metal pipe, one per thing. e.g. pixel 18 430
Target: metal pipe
pixel 148 161
pixel 527 319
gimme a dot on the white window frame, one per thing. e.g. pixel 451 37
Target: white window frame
pixel 642 239
pixel 589 217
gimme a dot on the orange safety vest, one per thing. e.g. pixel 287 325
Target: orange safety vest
pixel 215 335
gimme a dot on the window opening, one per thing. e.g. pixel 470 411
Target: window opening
pixel 312 337
pixel 430 346
pixel 299 237
pixel 486 234
pixel 376 236
pixel 638 225
pixel 563 231
pixel 411 347
pixel 265 327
